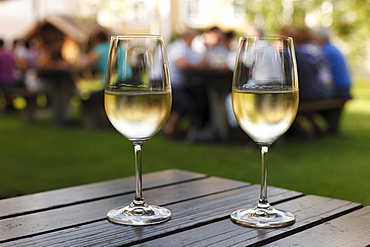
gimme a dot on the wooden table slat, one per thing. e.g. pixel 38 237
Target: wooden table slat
pixel 309 210
pixel 185 214
pixel 96 210
pixel 348 230
pixel 201 207
pixel 78 194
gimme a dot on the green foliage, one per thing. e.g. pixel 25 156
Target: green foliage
pixel 346 18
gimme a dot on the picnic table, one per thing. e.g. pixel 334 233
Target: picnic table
pixel 200 206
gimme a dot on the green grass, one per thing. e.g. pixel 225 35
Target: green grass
pixel 38 157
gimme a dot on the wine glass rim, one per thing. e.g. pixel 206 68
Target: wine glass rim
pixel 130 36
pixel 276 37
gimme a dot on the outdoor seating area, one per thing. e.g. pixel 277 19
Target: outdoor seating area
pixel 201 82
pixel 218 87
pixel 184 123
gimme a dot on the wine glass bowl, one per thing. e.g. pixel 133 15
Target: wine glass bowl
pixel 265 103
pixel 138 114
pixel 138 102
pixel 265 113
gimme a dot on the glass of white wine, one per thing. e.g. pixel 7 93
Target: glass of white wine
pixel 265 103
pixel 138 102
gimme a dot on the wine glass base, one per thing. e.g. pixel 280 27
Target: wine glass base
pixel 139 215
pixel 263 217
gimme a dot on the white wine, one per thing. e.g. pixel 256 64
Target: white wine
pixel 265 115
pixel 138 115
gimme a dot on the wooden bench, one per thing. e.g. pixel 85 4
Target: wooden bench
pixel 330 109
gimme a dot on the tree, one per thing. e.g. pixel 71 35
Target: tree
pixel 346 18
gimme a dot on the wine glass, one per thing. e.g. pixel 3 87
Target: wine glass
pixel 138 102
pixel 265 103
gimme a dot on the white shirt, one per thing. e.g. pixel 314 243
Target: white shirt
pixel 176 50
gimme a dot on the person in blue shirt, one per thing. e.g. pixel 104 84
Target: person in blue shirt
pixel 96 59
pixel 99 54
pixel 337 64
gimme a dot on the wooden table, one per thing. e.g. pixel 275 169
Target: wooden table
pixel 200 205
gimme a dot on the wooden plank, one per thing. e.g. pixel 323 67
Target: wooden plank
pixel 187 214
pixel 190 215
pixel 79 194
pixel 92 211
pixel 309 210
pixel 352 229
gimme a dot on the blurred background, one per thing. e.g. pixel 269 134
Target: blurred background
pixel 345 18
pixel 41 148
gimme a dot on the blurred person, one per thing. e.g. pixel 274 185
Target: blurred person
pixel 250 31
pixel 264 74
pixel 185 94
pixel 31 55
pixel 7 74
pixel 229 40
pixel 96 60
pixel 216 49
pixel 56 76
pixel 19 53
pixel 305 42
pixel 337 64
pixel 306 72
pixel 231 43
pixel 306 125
pixel 97 55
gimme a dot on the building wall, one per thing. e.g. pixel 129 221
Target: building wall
pixel 166 17
pixel 169 17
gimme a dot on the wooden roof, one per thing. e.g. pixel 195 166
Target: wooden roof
pixel 66 25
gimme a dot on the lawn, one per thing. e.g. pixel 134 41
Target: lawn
pixel 38 157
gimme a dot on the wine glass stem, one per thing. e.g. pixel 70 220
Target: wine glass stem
pixel 263 201
pixel 139 200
